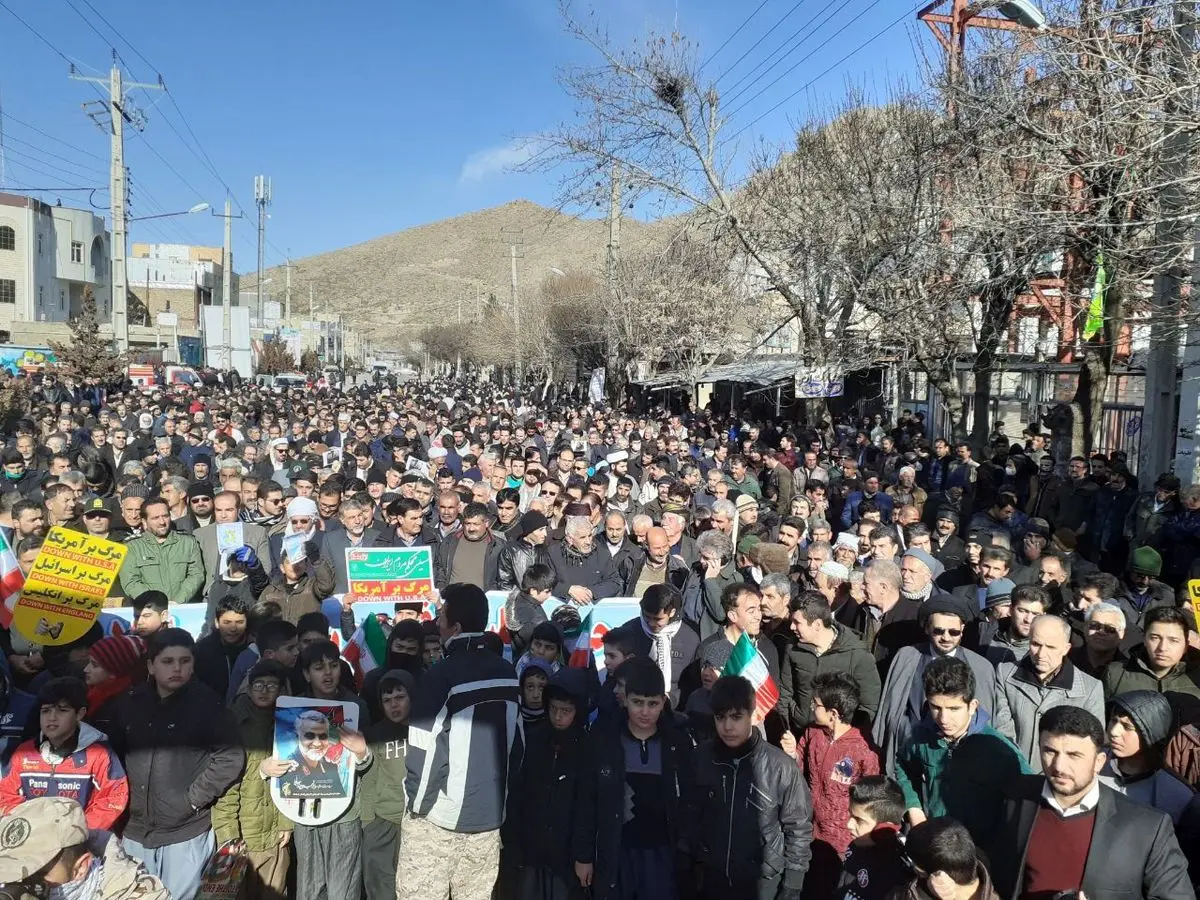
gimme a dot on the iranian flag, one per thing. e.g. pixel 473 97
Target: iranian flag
pixel 367 648
pixel 12 580
pixel 745 660
pixel 577 643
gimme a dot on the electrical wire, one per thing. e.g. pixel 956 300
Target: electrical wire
pixel 51 137
pixel 902 17
pixel 752 47
pixel 13 139
pixel 805 59
pixel 736 32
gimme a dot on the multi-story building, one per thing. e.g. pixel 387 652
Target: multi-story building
pixel 49 256
pixel 175 278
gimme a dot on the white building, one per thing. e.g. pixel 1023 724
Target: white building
pixel 48 256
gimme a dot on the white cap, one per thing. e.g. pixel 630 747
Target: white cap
pixel 847 539
pixel 835 570
pixel 301 507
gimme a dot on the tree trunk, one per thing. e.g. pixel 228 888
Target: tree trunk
pixel 981 426
pixel 947 384
pixel 1089 397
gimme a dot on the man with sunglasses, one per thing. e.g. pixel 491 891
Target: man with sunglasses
pixel 902 703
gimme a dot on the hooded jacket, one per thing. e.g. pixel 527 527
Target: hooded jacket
pixel 832 767
pixel 752 820
pixel 89 773
pixel 916 889
pixel 1151 716
pixel 550 822
pixel 246 810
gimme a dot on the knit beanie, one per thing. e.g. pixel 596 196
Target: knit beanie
pixel 1145 561
pixel 119 655
pixel 715 654
pixel 531 522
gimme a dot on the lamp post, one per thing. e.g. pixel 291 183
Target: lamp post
pixel 120 300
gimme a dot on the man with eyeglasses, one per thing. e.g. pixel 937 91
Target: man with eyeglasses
pixel 902 702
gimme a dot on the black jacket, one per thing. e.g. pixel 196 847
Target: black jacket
pixel 596 571
pixel 516 556
pixel 685 644
pixel 1134 852
pixel 334 547
pixel 611 794
pixel 752 819
pixel 180 754
pixel 215 659
pixel 874 866
pixel 550 820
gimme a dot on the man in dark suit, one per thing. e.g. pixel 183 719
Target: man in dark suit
pixel 1064 832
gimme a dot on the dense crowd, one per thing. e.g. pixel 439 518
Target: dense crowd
pixel 985 658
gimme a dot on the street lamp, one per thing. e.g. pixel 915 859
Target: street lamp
pixel 1023 13
pixel 120 287
pixel 198 208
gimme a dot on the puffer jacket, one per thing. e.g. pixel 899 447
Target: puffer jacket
pixel 752 819
pixel 246 810
pixel 1134 674
pixel 801 665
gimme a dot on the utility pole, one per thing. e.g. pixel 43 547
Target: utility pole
pixel 227 285
pixel 287 291
pixel 310 301
pixel 262 198
pixel 119 112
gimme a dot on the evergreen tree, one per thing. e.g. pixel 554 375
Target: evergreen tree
pixel 88 355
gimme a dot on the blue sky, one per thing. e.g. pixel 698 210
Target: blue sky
pixel 373 116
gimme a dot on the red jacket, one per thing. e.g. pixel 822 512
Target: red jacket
pixel 831 767
pixel 92 776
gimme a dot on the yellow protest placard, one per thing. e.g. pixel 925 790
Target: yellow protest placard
pixel 1194 596
pixel 65 590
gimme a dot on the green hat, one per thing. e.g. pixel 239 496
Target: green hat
pixel 1145 561
pixel 748 543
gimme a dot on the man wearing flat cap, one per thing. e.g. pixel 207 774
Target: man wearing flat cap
pixel 45 844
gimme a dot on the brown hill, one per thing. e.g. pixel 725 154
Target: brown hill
pixel 393 286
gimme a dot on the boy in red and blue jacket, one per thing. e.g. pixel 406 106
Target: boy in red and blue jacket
pixel 68 759
pixel 834 755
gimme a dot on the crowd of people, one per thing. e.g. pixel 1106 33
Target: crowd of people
pixel 986 658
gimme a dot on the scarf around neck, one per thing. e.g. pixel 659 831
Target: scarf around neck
pixel 660 646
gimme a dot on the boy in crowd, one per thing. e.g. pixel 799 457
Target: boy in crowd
pixel 246 812
pixel 753 824
pixel 150 614
pixel 955 763
pixel 525 608
pixel 275 639
pixel 181 752
pixel 642 769
pixel 833 755
pixel 874 865
pixel 383 785
pixel 218 651
pixel 1139 724
pixel 946 863
pixel 69 759
pixel 550 826
pixel 545 645
pixel 329 856
pixel 533 680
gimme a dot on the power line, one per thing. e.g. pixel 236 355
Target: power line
pixel 86 168
pixel 37 130
pixel 902 17
pixel 37 34
pixel 41 162
pixel 804 32
pixel 805 59
pixel 736 32
pixel 752 47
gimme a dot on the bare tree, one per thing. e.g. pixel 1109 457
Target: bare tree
pixel 1103 105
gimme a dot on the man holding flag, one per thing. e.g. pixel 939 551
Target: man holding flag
pixel 751 654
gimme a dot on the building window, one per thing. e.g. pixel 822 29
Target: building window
pixel 62 300
pixel 41 296
pixel 8 290
pixel 39 245
pixel 8 238
pixel 76 251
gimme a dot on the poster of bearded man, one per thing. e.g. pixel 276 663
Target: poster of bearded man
pixel 317 779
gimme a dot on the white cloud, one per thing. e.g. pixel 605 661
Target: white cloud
pixel 495 161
